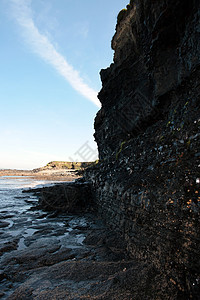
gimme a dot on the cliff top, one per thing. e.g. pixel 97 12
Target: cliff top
pixel 64 165
pixel 124 12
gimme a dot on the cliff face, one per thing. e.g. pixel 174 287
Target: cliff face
pixel 156 47
pixel 147 182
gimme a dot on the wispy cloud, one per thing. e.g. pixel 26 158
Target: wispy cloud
pixel 41 45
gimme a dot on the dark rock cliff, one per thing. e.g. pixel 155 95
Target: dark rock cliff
pixel 147 182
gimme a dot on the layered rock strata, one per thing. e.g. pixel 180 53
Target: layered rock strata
pixel 147 182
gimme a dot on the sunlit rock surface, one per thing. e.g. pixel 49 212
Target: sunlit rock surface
pixel 147 182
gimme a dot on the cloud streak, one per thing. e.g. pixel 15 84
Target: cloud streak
pixel 41 45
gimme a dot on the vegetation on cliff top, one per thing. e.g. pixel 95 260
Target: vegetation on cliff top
pixel 66 165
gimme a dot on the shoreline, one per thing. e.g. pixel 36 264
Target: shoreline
pixel 64 175
pixel 61 254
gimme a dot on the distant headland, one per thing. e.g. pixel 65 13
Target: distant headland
pixel 54 170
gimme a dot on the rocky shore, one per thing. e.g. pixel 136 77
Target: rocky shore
pixel 146 186
pixel 69 197
pixel 63 256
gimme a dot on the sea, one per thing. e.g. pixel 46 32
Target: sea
pixel 20 218
pixel 17 215
pixel 11 188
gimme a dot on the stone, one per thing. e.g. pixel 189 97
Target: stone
pixel 70 197
pixel 147 133
pixel 4 224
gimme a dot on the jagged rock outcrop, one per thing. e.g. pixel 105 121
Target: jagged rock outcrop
pixel 147 181
pixel 71 197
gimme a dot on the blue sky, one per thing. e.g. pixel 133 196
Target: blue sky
pixel 51 55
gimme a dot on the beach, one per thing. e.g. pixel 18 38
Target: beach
pixel 40 174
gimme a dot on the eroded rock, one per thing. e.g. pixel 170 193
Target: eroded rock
pixel 147 181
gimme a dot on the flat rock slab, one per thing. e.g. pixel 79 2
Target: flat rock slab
pixel 4 224
pixel 73 280
pixel 77 258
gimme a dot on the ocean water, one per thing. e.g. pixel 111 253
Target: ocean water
pixel 18 219
pixel 14 204
pixel 11 196
pixel 21 221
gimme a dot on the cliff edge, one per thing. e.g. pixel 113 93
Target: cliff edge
pixel 147 182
